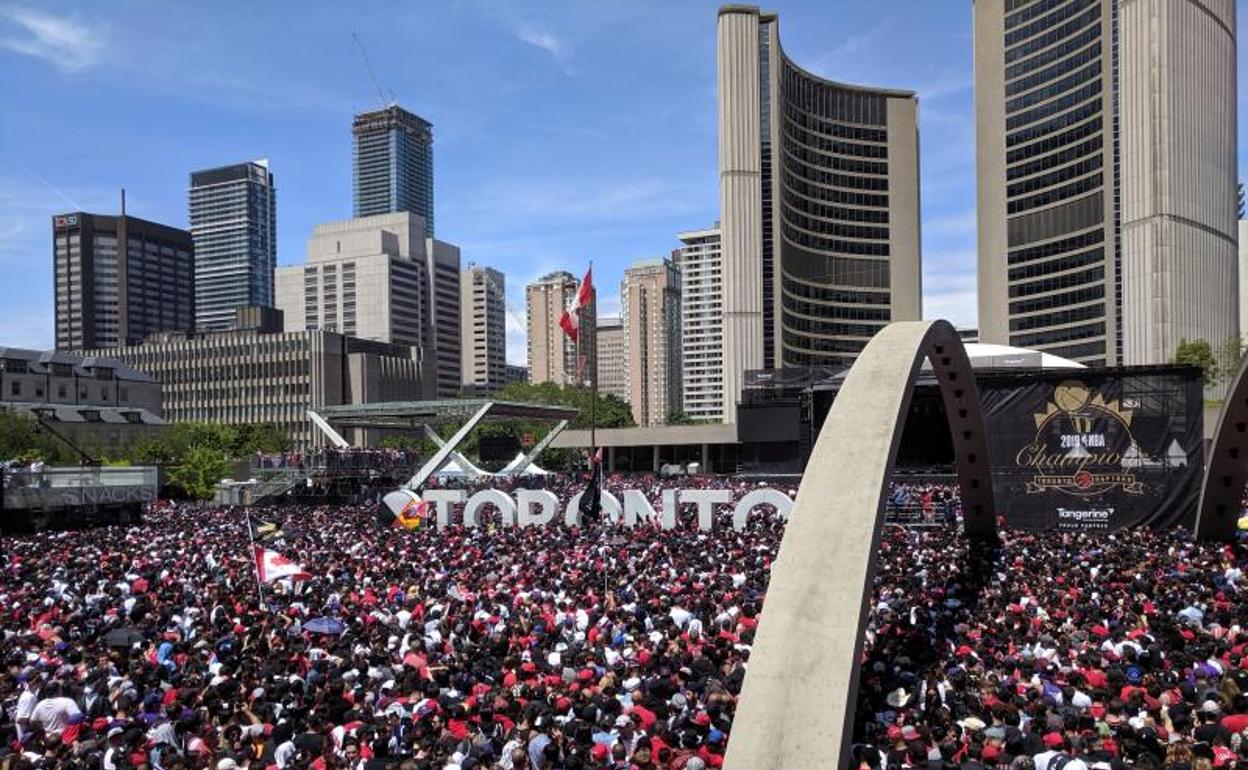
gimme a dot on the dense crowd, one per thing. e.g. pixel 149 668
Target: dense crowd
pixel 559 648
pixel 335 458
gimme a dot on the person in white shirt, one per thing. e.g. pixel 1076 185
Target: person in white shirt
pixel 26 705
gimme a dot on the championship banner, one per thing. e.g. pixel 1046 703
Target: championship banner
pixel 1099 451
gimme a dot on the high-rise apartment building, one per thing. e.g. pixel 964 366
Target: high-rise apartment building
pixel 392 164
pixel 612 358
pixel 819 206
pixel 650 311
pixel 483 321
pixel 233 213
pixel 119 279
pixel 552 355
pixel 701 266
pixel 1105 158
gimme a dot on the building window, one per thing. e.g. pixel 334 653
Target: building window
pixel 91 415
pixel 62 391
pixel 123 394
pixel 15 388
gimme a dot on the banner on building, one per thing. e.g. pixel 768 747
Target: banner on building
pixel 1099 451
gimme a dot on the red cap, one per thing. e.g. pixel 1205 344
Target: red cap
pixel 1053 740
pixel 702 719
pixel 599 752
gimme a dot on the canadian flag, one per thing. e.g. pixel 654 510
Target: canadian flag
pixel 571 318
pixel 273 566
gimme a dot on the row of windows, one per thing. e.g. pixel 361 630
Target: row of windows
pixel 831 128
pixel 1058 335
pixel 1061 175
pixel 1039 43
pixel 817 175
pixel 1035 10
pixel 1059 105
pixel 830 102
pixel 1054 195
pixel 824 344
pixel 1053 54
pixel 1058 318
pixel 794 132
pixel 1055 160
pixel 1064 281
pixel 1070 217
pixel 833 229
pixel 1038 269
pixel 833 195
pixel 838 213
pixel 1048 22
pixel 839 312
pixel 1054 141
pixel 1080 351
pixel 1060 68
pixel 832 246
pixel 1076 297
pixel 1030 98
pixel 819 293
pixel 834 162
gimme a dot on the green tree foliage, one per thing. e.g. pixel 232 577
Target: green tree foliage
pixel 612 412
pixel 1230 356
pixel 238 441
pixel 1198 353
pixel 21 438
pixel 199 472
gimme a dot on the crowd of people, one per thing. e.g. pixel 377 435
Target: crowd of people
pixel 335 458
pixel 923 502
pixel 559 648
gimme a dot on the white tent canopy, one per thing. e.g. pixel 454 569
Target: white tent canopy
pixel 455 469
pixel 532 470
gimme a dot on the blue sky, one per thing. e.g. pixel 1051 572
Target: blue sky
pixel 563 131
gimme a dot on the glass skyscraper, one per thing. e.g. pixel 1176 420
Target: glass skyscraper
pixel 234 224
pixel 392 164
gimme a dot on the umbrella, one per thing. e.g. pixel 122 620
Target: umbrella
pixel 325 626
pixel 123 637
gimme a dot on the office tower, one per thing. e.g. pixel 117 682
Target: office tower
pixel 650 310
pixel 442 264
pixel 612 358
pixel 368 278
pixel 234 223
pixel 517 373
pixel 819 207
pixel 553 357
pixel 701 266
pixel 1105 157
pixel 483 318
pixel 392 164
pixel 119 279
pixel 1243 278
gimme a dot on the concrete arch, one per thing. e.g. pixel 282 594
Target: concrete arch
pixel 798 697
pixel 1226 471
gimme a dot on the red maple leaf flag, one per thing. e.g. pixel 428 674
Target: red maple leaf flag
pixel 571 318
pixel 274 566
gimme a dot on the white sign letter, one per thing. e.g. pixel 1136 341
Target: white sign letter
pixel 706 500
pixel 442 500
pixel 527 498
pixel 506 507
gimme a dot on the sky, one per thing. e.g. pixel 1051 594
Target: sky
pixel 564 131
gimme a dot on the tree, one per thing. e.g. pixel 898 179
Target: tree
pixel 1230 356
pixel 21 438
pixel 199 472
pixel 678 417
pixel 612 412
pixel 1198 353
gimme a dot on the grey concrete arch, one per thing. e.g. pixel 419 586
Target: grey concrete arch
pixel 1226 471
pixel 798 699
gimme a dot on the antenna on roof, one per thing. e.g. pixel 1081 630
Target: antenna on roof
pixel 381 96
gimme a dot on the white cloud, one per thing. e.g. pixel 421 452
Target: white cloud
pixel 543 40
pixel 64 42
pixel 961 223
pixel 602 199
pixel 949 288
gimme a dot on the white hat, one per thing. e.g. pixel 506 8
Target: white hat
pixel 114 732
pixel 227 764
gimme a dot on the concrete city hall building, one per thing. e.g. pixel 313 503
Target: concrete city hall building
pixel 819 206
pixel 1106 167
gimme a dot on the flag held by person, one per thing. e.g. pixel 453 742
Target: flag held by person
pixel 271 565
pixel 570 321
pixel 591 500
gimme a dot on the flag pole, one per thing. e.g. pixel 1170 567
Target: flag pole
pixel 251 537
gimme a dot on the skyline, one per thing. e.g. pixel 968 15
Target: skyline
pixel 560 134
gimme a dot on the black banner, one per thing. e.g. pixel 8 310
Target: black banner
pixel 1096 451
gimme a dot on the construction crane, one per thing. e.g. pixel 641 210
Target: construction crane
pixel 381 95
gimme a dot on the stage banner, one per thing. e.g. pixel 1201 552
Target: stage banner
pixel 1100 451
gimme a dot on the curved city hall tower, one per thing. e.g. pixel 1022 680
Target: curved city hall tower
pixel 1105 153
pixel 819 207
